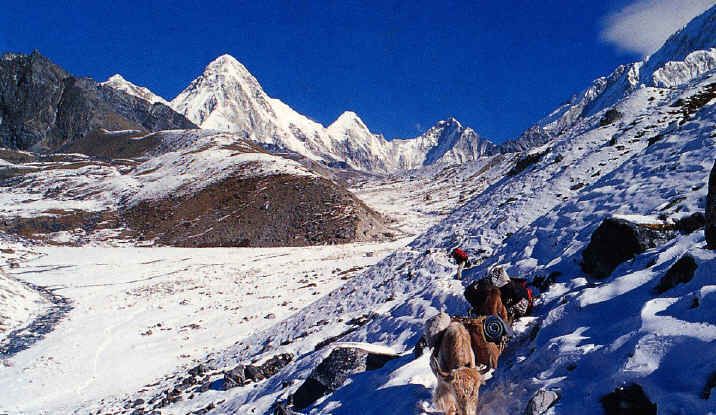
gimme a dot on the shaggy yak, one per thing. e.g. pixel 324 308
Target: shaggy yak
pixel 493 305
pixel 453 364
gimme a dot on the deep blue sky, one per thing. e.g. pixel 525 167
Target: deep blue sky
pixel 497 66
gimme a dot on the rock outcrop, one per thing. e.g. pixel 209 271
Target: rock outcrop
pixel 711 210
pixel 333 372
pixel 617 240
pixel 43 107
pixel 628 400
pixel 681 272
pixel 541 402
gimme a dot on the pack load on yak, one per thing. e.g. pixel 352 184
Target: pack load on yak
pixel 515 295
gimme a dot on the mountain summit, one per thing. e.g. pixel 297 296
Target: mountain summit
pixel 227 97
pixel 118 82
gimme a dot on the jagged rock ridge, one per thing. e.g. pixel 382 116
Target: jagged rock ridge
pixel 42 107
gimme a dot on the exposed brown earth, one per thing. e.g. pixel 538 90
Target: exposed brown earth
pixel 39 227
pixel 281 210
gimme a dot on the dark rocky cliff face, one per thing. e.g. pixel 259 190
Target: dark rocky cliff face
pixel 42 107
pixel 711 210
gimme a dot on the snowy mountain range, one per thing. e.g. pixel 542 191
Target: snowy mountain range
pixel 226 97
pixel 221 330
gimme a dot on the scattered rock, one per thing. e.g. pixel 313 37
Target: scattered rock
pixel 710 384
pixel 628 400
pixel 525 162
pixel 199 370
pixel 543 283
pixel 541 402
pixel 617 240
pixel 274 364
pixel 282 409
pixel 691 223
pixel 711 210
pixel 229 383
pixel 609 117
pixel 254 373
pixel 681 272
pixel 270 316
pixel 333 371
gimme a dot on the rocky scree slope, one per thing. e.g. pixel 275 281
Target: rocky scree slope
pixel 42 107
pixel 587 337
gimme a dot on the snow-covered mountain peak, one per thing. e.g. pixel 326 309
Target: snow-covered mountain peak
pixel 698 34
pixel 118 82
pixel 228 65
pixel 450 122
pixel 115 79
pixel 347 121
pixel 227 97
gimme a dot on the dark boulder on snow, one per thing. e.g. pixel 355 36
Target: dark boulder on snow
pixel 628 400
pixel 541 402
pixel 235 377
pixel 241 375
pixel 333 372
pixel 681 272
pixel 711 211
pixel 691 223
pixel 609 117
pixel 617 240
pixel 198 370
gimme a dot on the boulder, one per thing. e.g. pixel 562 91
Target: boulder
pixel 691 223
pixel 711 211
pixel 541 402
pixel 333 372
pixel 681 272
pixel 617 240
pixel 198 370
pixel 235 377
pixel 610 117
pixel 628 400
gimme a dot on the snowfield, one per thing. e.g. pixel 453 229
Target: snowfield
pixel 140 313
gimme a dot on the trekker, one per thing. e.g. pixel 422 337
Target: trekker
pixel 462 260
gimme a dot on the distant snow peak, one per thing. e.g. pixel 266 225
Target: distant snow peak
pixel 118 82
pixel 226 97
pixel 347 121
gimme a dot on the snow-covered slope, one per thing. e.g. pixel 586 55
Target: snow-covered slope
pixel 686 55
pixel 586 337
pixel 116 81
pixel 227 97
pixel 533 212
pixel 19 305
pixel 592 336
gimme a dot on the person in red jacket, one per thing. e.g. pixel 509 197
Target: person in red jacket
pixel 461 259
